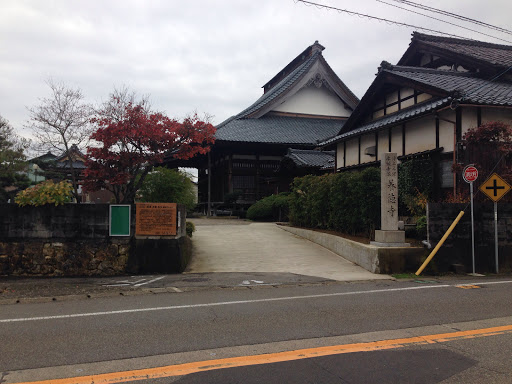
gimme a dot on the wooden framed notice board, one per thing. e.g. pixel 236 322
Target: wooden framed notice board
pixel 156 219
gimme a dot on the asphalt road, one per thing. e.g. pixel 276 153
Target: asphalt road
pixel 43 341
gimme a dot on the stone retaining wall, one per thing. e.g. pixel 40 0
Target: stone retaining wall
pixel 80 258
pixel 73 240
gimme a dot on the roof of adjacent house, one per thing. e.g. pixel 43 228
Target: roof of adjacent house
pixel 464 87
pixel 472 88
pixel 478 51
pixel 279 130
pixel 65 164
pixel 304 158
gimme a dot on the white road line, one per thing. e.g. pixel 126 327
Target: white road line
pixel 489 282
pixel 218 304
pixel 149 282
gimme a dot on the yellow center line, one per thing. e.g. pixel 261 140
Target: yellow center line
pixel 241 361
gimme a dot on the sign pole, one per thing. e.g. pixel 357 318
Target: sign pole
pixel 472 228
pixel 495 188
pixel 496 234
pixel 470 174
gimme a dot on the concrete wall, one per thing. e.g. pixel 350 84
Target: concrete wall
pixel 457 248
pixel 372 258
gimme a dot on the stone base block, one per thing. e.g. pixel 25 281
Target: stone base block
pixel 379 244
pixel 390 239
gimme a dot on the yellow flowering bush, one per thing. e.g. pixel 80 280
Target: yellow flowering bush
pixel 46 192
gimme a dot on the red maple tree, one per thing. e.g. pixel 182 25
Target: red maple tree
pixel 489 148
pixel 129 147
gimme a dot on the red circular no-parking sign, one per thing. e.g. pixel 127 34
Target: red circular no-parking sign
pixel 470 174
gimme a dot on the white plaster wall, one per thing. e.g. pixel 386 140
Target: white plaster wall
pixel 407 103
pixel 340 154
pixel 396 140
pixel 314 101
pixel 367 141
pixel 469 119
pixel 277 158
pixel 420 135
pixel 446 136
pixel 352 155
pixel 496 114
pixel 423 96
pixel 383 143
pixel 405 92
pixel 391 97
pixel 446 130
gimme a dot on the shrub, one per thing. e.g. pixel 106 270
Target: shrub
pixel 164 185
pixel 190 228
pixel 347 202
pixel 46 192
pixel 271 208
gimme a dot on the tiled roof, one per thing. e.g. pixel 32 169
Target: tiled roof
pixel 467 88
pixel 472 88
pixel 65 164
pixel 281 87
pixel 278 130
pixel 495 54
pixel 311 158
pixel 395 118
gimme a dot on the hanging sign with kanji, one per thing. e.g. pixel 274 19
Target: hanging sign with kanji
pixel 495 187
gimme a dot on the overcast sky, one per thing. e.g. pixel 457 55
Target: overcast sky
pixel 203 55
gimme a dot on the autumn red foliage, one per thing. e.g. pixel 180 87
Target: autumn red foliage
pixel 129 147
pixel 489 148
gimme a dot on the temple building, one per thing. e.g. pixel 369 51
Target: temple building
pixel 304 104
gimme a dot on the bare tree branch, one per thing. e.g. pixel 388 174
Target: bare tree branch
pixel 61 122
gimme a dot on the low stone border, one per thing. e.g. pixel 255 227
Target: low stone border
pixel 374 259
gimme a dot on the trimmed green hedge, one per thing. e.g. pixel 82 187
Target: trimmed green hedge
pixel 271 208
pixel 348 202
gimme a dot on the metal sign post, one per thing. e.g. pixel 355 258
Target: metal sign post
pixel 496 234
pixel 470 174
pixel 495 188
pixel 472 228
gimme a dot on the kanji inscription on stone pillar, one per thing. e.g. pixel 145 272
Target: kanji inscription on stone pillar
pixel 389 192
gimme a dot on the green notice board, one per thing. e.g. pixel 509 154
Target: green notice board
pixel 120 220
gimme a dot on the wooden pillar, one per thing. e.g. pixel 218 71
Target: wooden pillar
pixel 230 173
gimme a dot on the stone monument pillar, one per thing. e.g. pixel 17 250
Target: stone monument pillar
pixel 389 235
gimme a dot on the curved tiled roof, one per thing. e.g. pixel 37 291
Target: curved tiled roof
pixel 494 54
pixel 311 158
pixel 279 130
pixel 464 86
pixel 473 89
pixel 395 118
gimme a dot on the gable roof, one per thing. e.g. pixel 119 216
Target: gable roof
pixel 289 77
pixel 273 129
pixel 482 54
pixel 446 86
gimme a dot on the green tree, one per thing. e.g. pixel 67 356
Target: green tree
pixel 164 185
pixel 12 161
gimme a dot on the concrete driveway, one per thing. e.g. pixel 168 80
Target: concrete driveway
pixel 224 245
